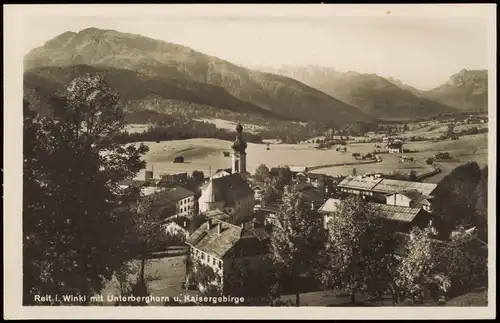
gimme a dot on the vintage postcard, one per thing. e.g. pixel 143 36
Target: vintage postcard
pixel 250 161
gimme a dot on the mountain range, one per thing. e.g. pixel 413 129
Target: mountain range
pixel 389 98
pixel 156 74
pixel 153 75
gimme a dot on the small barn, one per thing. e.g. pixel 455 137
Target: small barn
pixel 179 159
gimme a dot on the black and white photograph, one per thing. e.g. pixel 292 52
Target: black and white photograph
pixel 236 159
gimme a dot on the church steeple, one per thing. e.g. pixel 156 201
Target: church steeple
pixel 239 151
pixel 239 143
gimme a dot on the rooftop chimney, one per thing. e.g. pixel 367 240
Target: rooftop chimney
pixel 219 227
pixel 209 224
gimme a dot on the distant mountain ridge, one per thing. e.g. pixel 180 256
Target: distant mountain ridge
pixel 467 90
pixel 174 72
pixel 377 96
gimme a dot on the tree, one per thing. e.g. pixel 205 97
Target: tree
pixel 359 254
pixel 465 261
pixel 261 173
pixel 429 161
pixel 296 239
pixel 73 224
pixel 271 193
pixel 147 233
pixel 198 176
pixel 418 269
pixel 284 177
pixel 482 205
pixel 455 196
pixel 412 176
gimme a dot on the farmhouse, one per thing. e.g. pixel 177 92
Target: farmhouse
pixel 394 147
pixel 378 188
pixel 219 245
pixel 400 217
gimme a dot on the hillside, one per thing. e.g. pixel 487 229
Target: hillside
pixel 378 97
pixel 154 69
pixel 467 90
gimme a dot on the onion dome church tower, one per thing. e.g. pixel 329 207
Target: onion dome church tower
pixel 239 147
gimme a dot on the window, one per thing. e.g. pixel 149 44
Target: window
pixel 220 264
pixel 213 261
pixel 208 258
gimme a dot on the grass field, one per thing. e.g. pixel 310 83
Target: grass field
pixel 164 276
pixel 205 154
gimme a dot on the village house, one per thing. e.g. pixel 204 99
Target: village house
pixel 295 170
pixel 376 188
pixel 258 190
pixel 178 226
pixel 401 218
pixel 230 193
pixel 147 188
pixel 394 147
pixel 181 200
pixel 219 244
pixel 222 172
pixel 174 179
pixel 410 198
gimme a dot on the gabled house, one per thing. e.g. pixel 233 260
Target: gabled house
pixel 410 198
pixel 394 147
pixel 218 245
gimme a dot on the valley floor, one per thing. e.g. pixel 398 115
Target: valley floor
pixel 207 155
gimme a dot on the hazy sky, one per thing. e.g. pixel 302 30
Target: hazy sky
pixel 422 52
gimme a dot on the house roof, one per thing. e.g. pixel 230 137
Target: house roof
pixel 397 213
pixel 175 193
pixel 213 242
pixel 385 185
pixel 359 182
pixel 129 182
pixel 298 169
pixel 395 145
pixel 181 221
pixel 148 190
pixel 331 205
pixel 217 214
pixel 230 188
pixel 227 170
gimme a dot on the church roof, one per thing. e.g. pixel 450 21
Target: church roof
pixel 230 188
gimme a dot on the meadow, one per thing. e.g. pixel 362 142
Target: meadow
pixel 207 155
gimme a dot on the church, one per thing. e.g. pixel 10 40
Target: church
pixel 230 193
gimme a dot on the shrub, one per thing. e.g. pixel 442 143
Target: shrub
pixel 429 161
